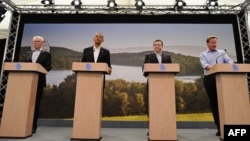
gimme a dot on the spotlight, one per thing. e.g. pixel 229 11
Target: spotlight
pixel 179 4
pixel 76 3
pixel 139 4
pixel 112 5
pixel 212 3
pixel 47 2
pixel 2 12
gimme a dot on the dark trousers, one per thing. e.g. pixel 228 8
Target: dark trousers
pixel 39 96
pixel 210 87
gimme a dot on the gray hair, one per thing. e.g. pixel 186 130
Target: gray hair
pixel 39 37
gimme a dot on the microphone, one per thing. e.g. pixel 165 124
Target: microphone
pixel 220 56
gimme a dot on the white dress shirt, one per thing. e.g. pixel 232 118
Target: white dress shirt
pixel 96 53
pixel 35 55
pixel 210 58
pixel 159 57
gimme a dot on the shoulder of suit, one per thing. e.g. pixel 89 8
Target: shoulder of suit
pixel 29 51
pixel 45 52
pixel 149 54
pixel 86 48
pixel 104 49
pixel 166 54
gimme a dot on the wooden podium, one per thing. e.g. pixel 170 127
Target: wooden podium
pixel 19 103
pixel 88 100
pixel 232 92
pixel 162 107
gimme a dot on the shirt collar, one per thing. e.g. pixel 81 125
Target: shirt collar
pixel 211 51
pixel 38 50
pixel 95 48
pixel 160 54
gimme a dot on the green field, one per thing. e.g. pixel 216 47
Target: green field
pixel 179 117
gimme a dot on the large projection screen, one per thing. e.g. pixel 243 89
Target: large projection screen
pixel 129 38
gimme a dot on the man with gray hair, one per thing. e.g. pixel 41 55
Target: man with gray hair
pixel 44 59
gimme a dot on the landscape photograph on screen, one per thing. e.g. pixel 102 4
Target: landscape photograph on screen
pixel 128 43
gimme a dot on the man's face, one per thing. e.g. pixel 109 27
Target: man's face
pixel 157 46
pixel 98 38
pixel 212 44
pixel 37 43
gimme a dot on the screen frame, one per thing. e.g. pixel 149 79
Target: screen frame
pixel 127 18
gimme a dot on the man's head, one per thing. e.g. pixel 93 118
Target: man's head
pixel 98 39
pixel 158 45
pixel 37 42
pixel 211 42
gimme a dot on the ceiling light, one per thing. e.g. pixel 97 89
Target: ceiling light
pixel 112 5
pixel 212 3
pixel 47 2
pixel 179 4
pixel 76 3
pixel 139 4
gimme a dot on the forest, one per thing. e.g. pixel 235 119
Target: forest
pixel 121 98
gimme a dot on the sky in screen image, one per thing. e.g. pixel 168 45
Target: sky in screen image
pixel 123 36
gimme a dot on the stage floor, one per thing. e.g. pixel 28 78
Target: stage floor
pixel 46 133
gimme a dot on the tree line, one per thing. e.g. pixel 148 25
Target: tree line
pixel 121 98
pixel 62 59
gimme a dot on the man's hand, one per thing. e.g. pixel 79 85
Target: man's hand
pixel 109 70
pixel 208 67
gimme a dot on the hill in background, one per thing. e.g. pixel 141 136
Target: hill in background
pixel 62 58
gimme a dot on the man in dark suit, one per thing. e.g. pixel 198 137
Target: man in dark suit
pixel 96 53
pixel 44 59
pixel 158 56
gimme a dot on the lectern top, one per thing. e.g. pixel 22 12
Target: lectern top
pixel 227 68
pixel 20 66
pixel 165 67
pixel 89 67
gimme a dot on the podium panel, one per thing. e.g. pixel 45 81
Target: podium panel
pixel 232 93
pixel 162 107
pixel 88 100
pixel 19 103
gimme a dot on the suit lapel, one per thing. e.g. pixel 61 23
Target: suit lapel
pixel 154 59
pixel 100 55
pixel 39 57
pixel 29 56
pixel 164 58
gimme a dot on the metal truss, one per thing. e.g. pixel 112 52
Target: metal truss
pixel 244 30
pixel 244 35
pixel 128 9
pixel 9 56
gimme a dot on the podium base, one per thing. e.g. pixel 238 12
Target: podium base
pixel 161 140
pixel 82 139
pixel 9 137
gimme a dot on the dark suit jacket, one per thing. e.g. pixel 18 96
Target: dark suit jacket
pixel 151 58
pixel 44 59
pixel 104 56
